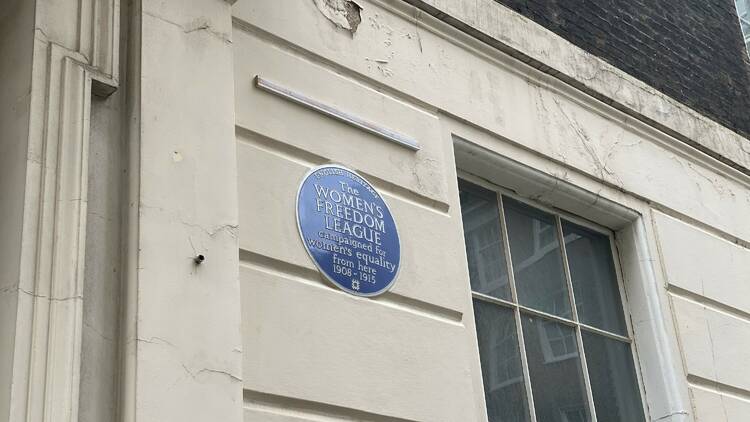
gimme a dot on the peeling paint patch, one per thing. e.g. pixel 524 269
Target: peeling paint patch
pixel 176 156
pixel 343 13
pixel 196 25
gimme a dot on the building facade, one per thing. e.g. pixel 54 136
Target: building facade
pixel 571 191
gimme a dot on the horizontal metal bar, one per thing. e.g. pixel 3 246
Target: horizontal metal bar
pixel 524 309
pixel 492 299
pixel 545 315
pixel 605 333
pixel 329 111
pixel 561 320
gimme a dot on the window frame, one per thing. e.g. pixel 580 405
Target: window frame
pixel 574 322
pixel 742 10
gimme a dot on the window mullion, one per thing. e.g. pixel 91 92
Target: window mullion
pixel 586 380
pixel 604 333
pixel 525 365
pixel 492 299
pixel 506 250
pixel 516 311
pixel 579 336
pixel 551 317
pixel 566 269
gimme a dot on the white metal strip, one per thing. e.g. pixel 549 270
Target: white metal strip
pixel 337 114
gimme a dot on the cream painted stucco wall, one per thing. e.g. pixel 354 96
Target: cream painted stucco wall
pixel 211 165
pixel 175 356
pixel 16 38
pixel 407 71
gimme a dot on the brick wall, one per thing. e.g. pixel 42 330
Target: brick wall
pixel 691 50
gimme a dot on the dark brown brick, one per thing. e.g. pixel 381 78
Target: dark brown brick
pixel 691 50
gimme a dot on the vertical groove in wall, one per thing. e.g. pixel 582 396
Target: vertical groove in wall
pixel 130 63
pixel 103 268
pixel 16 50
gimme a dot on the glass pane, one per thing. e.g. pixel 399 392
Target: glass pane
pixel 536 257
pixel 484 248
pixel 613 380
pixel 594 279
pixel 504 388
pixel 743 11
pixel 555 370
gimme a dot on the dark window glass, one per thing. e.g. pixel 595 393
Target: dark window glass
pixel 551 357
pixel 613 379
pixel 504 389
pixel 555 370
pixel 537 259
pixel 594 279
pixel 484 248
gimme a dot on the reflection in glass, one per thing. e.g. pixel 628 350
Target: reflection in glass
pixel 484 248
pixel 537 260
pixel 594 279
pixel 743 11
pixel 504 388
pixel 555 370
pixel 613 379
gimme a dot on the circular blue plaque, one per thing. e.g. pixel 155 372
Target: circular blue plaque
pixel 348 230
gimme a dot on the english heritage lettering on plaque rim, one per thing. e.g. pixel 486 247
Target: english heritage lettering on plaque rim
pixel 348 230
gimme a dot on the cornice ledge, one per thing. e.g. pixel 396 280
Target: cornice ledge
pixel 518 36
pixel 88 31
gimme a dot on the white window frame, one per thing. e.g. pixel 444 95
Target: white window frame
pixel 501 162
pixel 573 321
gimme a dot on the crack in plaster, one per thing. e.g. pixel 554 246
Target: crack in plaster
pixel 198 24
pixel 194 375
pixel 76 55
pixel 97 332
pixel 39 296
pixel 229 228
pixel 585 73
pixel 682 165
pixel 713 358
pixel 722 191
pixel 717 186
pixel 417 15
pixel 669 415
pixel 541 195
pixel 151 341
pixel 598 69
pixel 586 142
pixel 542 110
pixel 619 143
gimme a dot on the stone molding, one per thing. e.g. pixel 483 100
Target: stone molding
pixel 518 36
pixel 99 36
pixel 47 349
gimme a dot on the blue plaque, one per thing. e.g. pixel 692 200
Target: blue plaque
pixel 348 230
